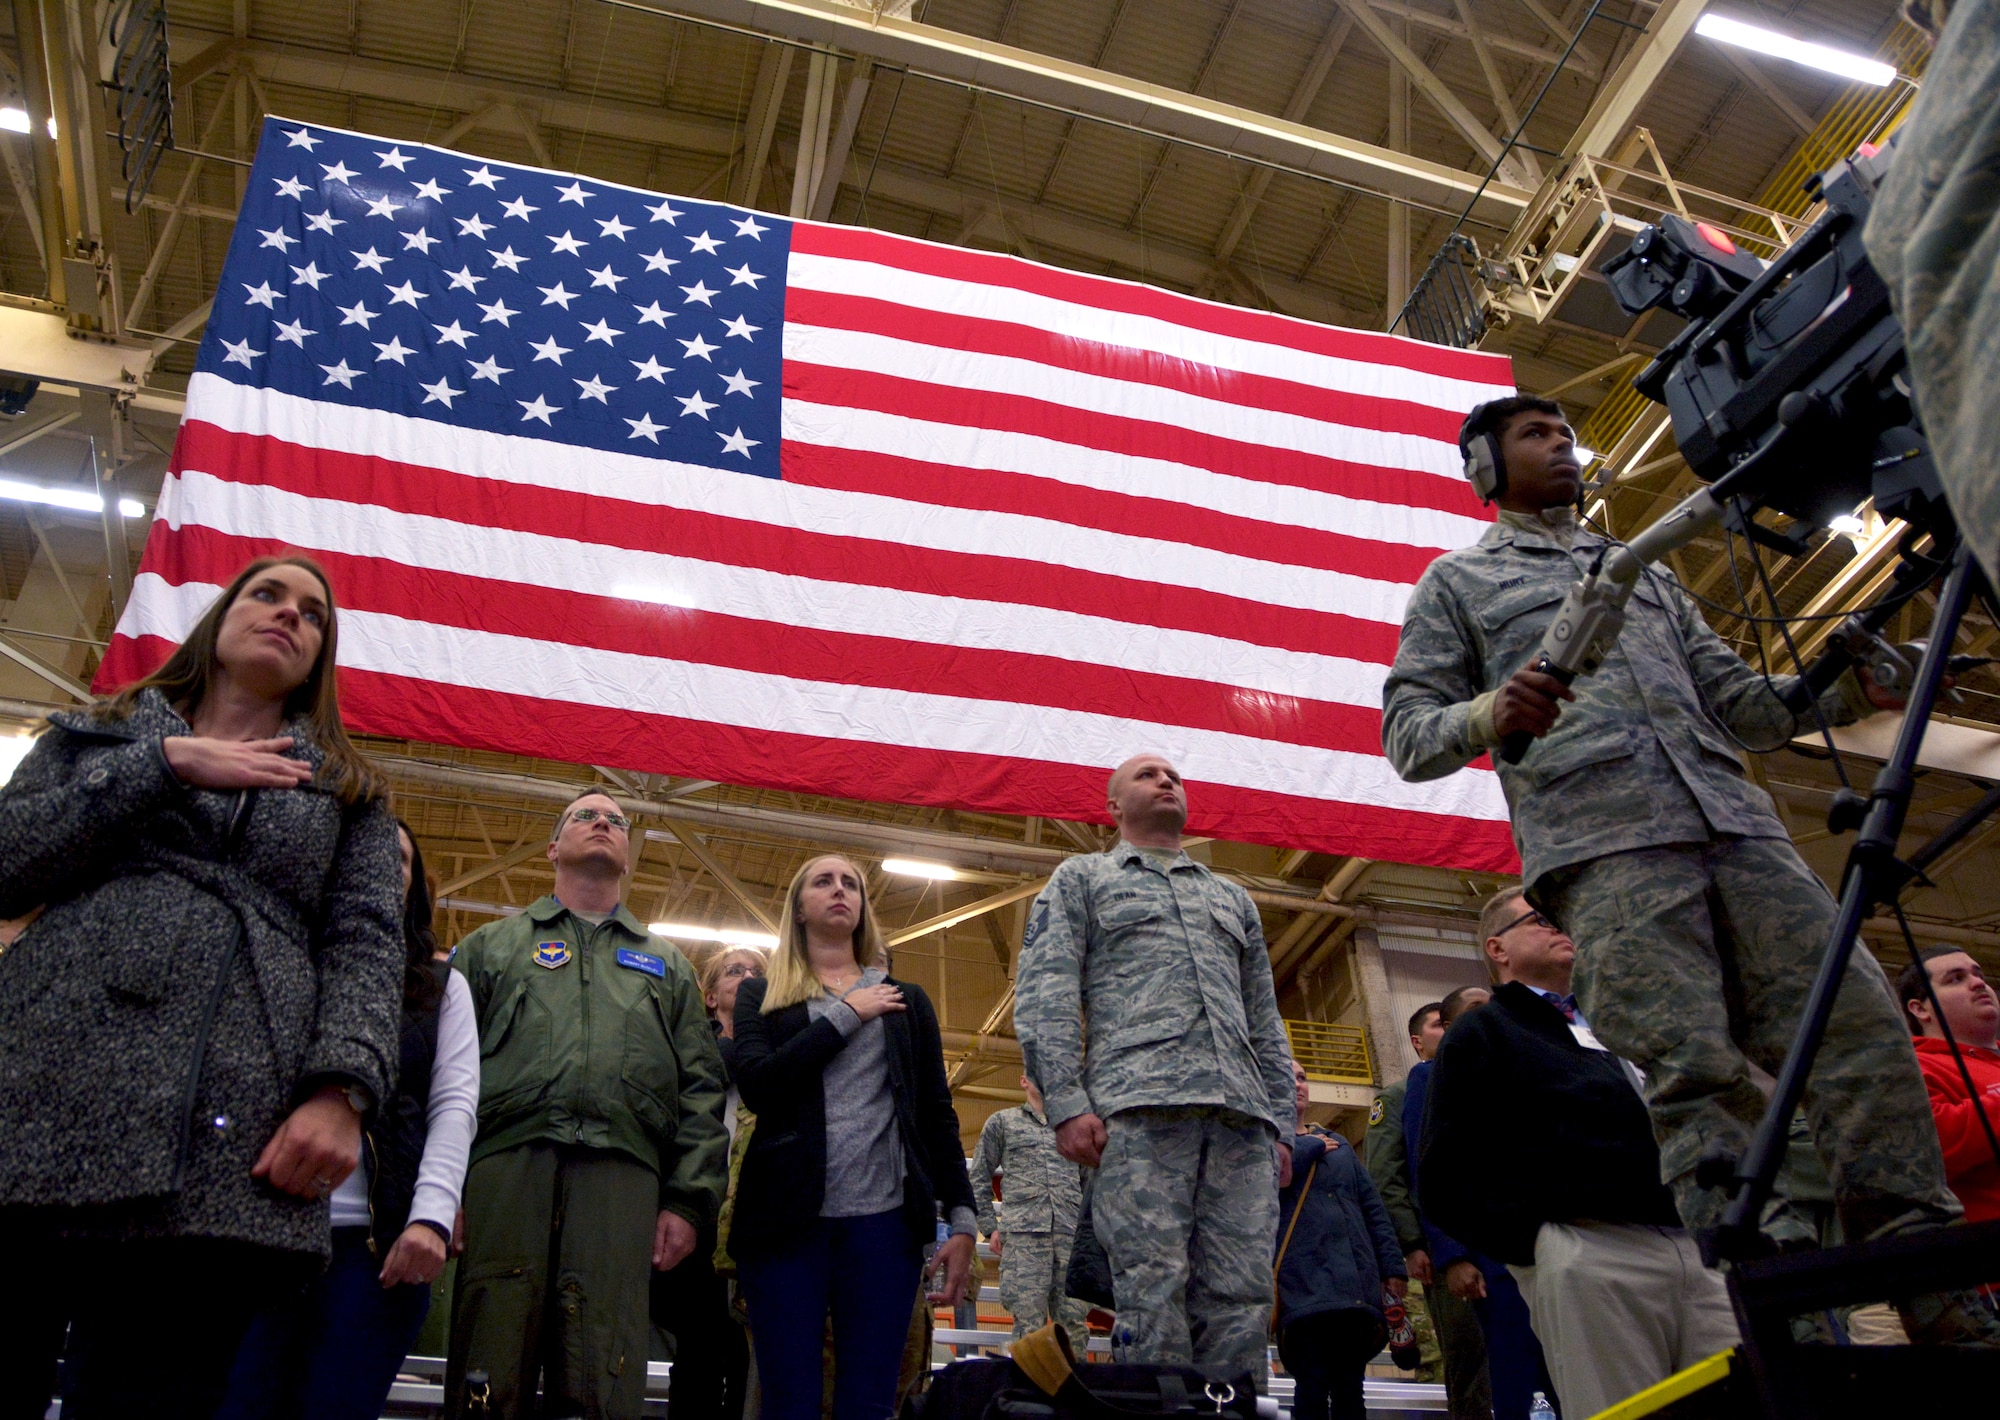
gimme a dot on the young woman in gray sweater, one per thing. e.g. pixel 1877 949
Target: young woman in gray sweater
pixel 856 1148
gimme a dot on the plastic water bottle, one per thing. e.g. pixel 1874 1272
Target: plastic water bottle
pixel 1541 1409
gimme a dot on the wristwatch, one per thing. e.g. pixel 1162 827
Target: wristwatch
pixel 359 1097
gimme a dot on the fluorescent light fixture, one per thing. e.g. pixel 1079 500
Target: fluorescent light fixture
pixel 728 936
pixel 1849 524
pixel 14 120
pixel 13 749
pixel 1799 51
pixel 910 868
pixel 1587 456
pixel 74 499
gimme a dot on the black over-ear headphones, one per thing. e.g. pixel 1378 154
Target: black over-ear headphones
pixel 1484 465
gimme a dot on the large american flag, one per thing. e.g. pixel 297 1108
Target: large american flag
pixel 615 478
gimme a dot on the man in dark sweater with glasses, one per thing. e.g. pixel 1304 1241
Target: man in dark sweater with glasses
pixel 1538 1150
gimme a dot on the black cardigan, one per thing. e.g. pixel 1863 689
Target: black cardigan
pixel 1525 1126
pixel 779 1063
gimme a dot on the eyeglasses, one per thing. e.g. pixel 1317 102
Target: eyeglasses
pixel 742 968
pixel 617 821
pixel 1531 915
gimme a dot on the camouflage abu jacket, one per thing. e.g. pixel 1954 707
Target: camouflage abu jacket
pixel 1041 1190
pixel 1641 758
pixel 1169 967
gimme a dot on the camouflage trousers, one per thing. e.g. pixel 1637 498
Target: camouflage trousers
pixel 1186 1204
pixel 1033 1271
pixel 1691 957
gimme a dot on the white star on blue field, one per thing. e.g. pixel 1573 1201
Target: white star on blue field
pixel 487 296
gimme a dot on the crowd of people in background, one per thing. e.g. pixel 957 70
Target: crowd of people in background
pixel 250 1110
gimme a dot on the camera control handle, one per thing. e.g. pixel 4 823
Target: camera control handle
pixel 1516 744
pixel 1587 624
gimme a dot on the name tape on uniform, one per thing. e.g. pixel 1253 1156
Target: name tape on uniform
pixel 641 961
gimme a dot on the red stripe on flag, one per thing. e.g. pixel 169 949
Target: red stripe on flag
pixel 984 268
pixel 575 618
pixel 398 706
pixel 414 488
pixel 1117 362
pixel 991 490
pixel 1118 434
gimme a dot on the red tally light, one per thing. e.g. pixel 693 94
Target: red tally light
pixel 1716 238
pixel 1866 150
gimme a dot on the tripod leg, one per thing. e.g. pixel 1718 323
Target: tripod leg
pixel 1872 875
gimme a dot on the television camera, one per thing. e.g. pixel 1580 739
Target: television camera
pixel 1789 390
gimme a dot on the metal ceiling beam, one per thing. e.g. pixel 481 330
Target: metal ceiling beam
pixel 1441 98
pixel 945 921
pixel 1296 108
pixel 512 858
pixel 62 680
pixel 1087 92
pixel 753 904
pixel 1038 226
pixel 1618 100
pixel 435 90
pixel 1754 75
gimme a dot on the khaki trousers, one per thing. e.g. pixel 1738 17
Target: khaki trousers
pixel 1619 1307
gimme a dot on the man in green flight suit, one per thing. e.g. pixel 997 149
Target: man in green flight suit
pixel 601 1151
pixel 1459 1338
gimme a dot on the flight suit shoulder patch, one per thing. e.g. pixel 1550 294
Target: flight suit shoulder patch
pixel 1375 1111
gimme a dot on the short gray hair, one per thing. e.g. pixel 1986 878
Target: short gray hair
pixel 1499 910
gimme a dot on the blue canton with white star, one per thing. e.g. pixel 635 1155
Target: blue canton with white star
pixel 487 296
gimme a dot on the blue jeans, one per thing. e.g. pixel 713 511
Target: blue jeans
pixel 865 1271
pixel 331 1350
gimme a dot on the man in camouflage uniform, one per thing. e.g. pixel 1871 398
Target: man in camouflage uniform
pixel 1041 1192
pixel 1446 1325
pixel 1179 1088
pixel 1699 928
pixel 1935 237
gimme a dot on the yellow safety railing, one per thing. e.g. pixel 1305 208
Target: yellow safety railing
pixel 1331 1054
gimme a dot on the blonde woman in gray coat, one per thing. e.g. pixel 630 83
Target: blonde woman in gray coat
pixel 196 1026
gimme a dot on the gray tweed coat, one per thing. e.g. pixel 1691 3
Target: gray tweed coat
pixel 205 960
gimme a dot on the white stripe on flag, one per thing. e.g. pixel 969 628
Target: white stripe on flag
pixel 565 564
pixel 962 446
pixel 512 458
pixel 942 366
pixel 393 645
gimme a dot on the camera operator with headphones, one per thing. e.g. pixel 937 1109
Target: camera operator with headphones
pixel 1698 927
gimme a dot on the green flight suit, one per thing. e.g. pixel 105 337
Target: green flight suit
pixel 600 1106
pixel 1459 1339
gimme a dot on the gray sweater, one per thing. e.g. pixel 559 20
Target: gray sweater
pixel 864 1149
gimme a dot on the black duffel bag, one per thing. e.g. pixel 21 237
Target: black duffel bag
pixel 1041 1381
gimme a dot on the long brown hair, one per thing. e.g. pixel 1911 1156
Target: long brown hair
pixel 792 979
pixel 189 674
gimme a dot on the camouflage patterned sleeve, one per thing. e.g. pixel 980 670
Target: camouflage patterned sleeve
pixel 1427 728
pixel 1267 1030
pixel 1742 698
pixel 1048 996
pixel 987 1160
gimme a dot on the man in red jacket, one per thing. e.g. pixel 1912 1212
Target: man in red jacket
pixel 1972 1011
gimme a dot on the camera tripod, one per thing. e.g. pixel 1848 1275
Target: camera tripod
pixel 1769 1291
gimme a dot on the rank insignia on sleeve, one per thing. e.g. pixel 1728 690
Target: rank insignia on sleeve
pixel 1375 1112
pixel 552 954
